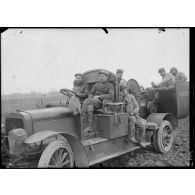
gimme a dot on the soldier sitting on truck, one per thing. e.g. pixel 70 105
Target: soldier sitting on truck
pixel 136 124
pixel 75 100
pixel 179 76
pixel 168 80
pixel 81 89
pixel 119 75
pixel 101 92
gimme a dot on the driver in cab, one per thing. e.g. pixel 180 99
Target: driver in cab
pixel 81 89
pixel 76 99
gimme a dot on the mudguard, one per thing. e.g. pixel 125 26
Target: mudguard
pixel 80 156
pixel 159 117
pixel 78 150
pixel 37 137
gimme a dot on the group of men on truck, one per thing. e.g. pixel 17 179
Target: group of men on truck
pixel 103 92
pixel 169 79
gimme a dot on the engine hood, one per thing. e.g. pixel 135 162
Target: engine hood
pixel 49 113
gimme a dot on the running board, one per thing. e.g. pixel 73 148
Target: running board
pixel 120 151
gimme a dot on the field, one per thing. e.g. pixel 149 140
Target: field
pixel 178 156
pixel 27 103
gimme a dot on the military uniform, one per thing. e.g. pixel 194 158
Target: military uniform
pixel 82 90
pixel 105 91
pixel 136 124
pixel 180 76
pixel 167 81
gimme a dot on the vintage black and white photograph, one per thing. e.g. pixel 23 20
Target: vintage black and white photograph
pixel 95 98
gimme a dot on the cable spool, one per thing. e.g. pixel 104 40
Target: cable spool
pixel 133 87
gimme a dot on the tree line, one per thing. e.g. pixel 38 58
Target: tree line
pixel 32 94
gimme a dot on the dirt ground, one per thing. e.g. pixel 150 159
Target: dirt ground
pixel 179 156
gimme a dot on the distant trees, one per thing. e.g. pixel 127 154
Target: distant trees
pixel 33 94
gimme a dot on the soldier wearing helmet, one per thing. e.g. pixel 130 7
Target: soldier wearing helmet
pixel 101 91
pixel 179 76
pixel 168 79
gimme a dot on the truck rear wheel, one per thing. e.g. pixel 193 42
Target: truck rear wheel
pixel 58 154
pixel 163 138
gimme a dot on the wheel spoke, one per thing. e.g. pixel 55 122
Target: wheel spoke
pixel 65 163
pixel 52 157
pixel 64 156
pixel 60 152
pixel 59 155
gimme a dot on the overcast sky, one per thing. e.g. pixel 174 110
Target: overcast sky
pixel 47 59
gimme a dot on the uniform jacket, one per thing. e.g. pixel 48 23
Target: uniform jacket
pixel 103 89
pixel 82 90
pixel 131 104
pixel 167 81
pixel 180 76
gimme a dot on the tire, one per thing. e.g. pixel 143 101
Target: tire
pixel 57 154
pixel 163 138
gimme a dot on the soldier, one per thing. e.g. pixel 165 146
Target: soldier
pixel 80 88
pixel 81 91
pixel 101 92
pixel 120 81
pixel 136 124
pixel 168 79
pixel 179 76
pixel 119 75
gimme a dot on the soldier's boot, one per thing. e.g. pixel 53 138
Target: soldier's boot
pixel 141 135
pixel 83 125
pixel 131 137
pixel 83 121
pixel 143 144
pixel 90 122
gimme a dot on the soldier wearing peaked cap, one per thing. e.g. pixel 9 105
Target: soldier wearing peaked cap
pixel 101 91
pixel 80 88
pixel 119 70
pixel 120 81
pixel 81 91
pixel 119 74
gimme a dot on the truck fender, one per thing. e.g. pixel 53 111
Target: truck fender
pixel 39 136
pixel 80 156
pixel 159 117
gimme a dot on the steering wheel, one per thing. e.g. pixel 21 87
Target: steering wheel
pixel 66 91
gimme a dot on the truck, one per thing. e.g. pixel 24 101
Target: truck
pixel 51 137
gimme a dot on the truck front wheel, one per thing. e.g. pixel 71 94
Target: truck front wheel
pixel 58 154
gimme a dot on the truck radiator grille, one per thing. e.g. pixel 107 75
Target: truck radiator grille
pixel 12 123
